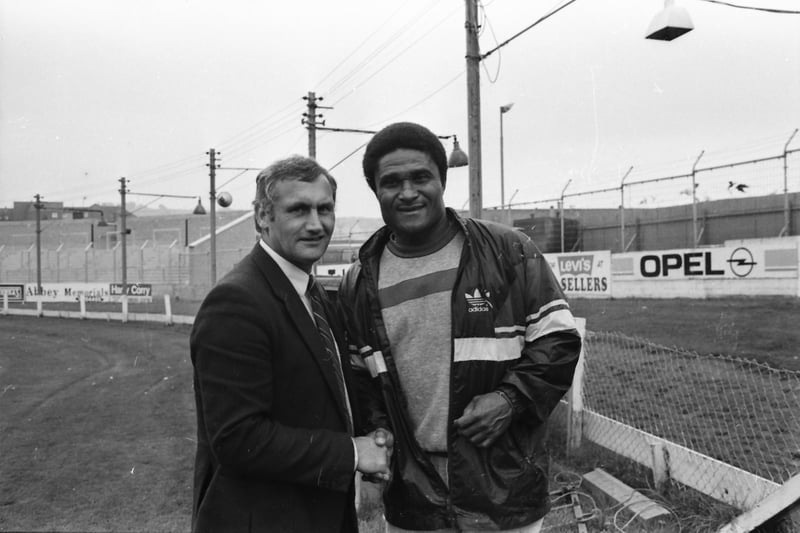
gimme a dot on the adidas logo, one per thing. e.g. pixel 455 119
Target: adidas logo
pixel 478 303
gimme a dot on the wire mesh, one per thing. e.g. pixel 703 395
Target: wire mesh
pixel 738 411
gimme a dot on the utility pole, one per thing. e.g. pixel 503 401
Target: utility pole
pixel 123 232
pixel 474 110
pixel 310 120
pixel 212 197
pixel 38 205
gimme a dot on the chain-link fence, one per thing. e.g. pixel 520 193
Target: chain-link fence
pixel 730 427
pixel 693 211
pixel 146 264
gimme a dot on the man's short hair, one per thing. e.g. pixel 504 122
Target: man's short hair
pixel 292 168
pixel 406 135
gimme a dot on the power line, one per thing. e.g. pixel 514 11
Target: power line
pixel 498 47
pixel 272 122
pixel 345 158
pixel 426 98
pixel 488 24
pixel 411 22
pixel 754 8
pixel 361 45
pixel 391 60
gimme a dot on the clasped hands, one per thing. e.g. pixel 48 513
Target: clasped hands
pixel 485 418
pixel 375 455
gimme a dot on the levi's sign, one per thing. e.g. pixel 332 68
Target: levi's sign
pixel 583 274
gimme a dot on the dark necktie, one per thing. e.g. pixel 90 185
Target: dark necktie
pixel 313 295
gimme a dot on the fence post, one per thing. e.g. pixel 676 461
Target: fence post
pixel 660 465
pixel 5 303
pixel 575 397
pixel 58 261
pixel 787 217
pixel 83 305
pixel 89 246
pixel 141 260
pixel 168 309
pixel 114 262
pixel 29 261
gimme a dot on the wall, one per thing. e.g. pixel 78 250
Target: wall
pixel 763 267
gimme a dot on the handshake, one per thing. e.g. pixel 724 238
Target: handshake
pixel 375 455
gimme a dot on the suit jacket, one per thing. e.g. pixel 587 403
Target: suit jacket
pixel 273 449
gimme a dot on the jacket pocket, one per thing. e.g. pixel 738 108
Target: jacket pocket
pixel 517 468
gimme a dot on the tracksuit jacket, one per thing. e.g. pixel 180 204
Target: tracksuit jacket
pixel 512 330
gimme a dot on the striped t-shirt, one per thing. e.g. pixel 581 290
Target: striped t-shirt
pixel 415 298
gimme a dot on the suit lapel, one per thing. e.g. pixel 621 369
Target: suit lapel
pixel 298 314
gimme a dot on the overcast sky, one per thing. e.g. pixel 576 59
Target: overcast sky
pixel 93 90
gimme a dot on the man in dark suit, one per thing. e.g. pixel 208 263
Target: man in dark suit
pixel 275 445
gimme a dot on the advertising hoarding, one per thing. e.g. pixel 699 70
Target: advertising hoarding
pixel 92 292
pixel 583 274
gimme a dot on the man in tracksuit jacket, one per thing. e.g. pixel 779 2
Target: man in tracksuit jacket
pixel 463 344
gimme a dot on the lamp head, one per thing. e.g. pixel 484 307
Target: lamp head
pixel 458 157
pixel 199 209
pixel 670 23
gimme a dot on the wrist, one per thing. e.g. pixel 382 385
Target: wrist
pixel 504 396
pixel 510 395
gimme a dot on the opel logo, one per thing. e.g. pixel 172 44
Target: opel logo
pixel 741 262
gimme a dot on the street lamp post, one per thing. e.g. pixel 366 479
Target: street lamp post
pixel 503 110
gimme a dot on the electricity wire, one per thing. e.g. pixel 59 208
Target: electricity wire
pixel 361 45
pixel 754 8
pixel 391 60
pixel 542 19
pixel 413 20
pixel 423 100
pixel 488 24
